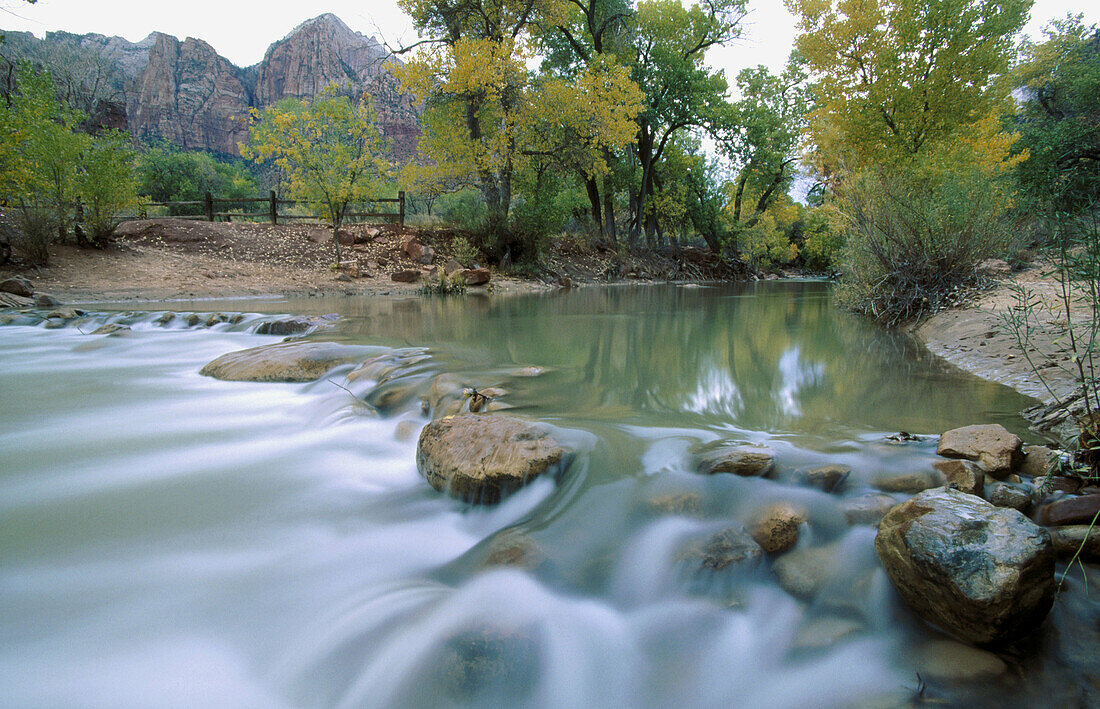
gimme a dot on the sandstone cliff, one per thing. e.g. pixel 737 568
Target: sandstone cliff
pixel 187 94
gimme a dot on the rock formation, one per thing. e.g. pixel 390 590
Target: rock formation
pixel 184 92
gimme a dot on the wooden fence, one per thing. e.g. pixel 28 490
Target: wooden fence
pixel 218 208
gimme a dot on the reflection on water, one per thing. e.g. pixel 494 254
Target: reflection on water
pixel 171 540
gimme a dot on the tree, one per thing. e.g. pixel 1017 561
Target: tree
pixel 762 137
pixel 681 92
pixel 106 184
pixel 329 151
pixel 1059 122
pixel 901 79
pixel 168 174
pixel 487 118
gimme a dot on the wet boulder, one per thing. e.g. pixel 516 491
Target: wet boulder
pixel 1071 510
pixel 908 483
pixel 110 329
pixel 1081 540
pixel 1038 461
pixel 482 459
pixel 983 573
pixel 963 475
pixel 284 362
pixel 1011 496
pixel 11 300
pixel 991 446
pixel 743 459
pixel 775 527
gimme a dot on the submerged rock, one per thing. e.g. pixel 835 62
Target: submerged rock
pixel 481 459
pixel 514 548
pixel 867 509
pixel 804 572
pixel 283 362
pixel 947 659
pixel 730 548
pixel 827 478
pixel 286 326
pixel 983 573
pixel 110 328
pixel 744 459
pixel 990 445
pixel 775 527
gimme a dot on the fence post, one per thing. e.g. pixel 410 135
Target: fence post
pixel 208 203
pixel 401 208
pixel 274 209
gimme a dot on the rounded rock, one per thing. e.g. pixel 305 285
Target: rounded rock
pixel 983 573
pixel 481 459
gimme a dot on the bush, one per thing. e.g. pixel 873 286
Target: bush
pixel 30 230
pixel 464 252
pixel 106 184
pixel 913 240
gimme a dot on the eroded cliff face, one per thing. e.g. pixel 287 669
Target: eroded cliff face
pixel 189 95
pixel 325 51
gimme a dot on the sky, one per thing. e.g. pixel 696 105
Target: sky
pixel 241 30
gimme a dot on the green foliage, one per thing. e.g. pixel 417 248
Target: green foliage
pixel 913 240
pixel 821 237
pixel 464 252
pixel 329 151
pixel 1058 121
pixel 167 174
pixel 106 184
pixel 904 78
pixel 464 209
pixel 46 164
pixel 442 284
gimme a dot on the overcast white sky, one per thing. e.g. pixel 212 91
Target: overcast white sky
pixel 241 30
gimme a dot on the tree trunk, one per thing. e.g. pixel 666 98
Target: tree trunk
pixel 609 214
pixel 594 200
pixel 337 219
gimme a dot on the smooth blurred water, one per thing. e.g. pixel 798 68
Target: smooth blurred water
pixel 171 540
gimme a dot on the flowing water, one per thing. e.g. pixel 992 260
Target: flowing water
pixel 170 540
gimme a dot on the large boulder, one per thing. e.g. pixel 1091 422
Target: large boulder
pixel 481 459
pixel 476 276
pixel 991 446
pixel 983 573
pixel 284 362
pixel 739 458
pixel 17 285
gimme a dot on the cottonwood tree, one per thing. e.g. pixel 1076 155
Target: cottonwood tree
pixel 328 150
pixel 901 79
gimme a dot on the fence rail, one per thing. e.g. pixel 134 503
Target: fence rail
pixel 272 213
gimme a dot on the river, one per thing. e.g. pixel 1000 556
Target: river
pixel 171 540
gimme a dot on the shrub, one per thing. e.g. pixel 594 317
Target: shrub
pixel 31 230
pixel 464 252
pixel 914 239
